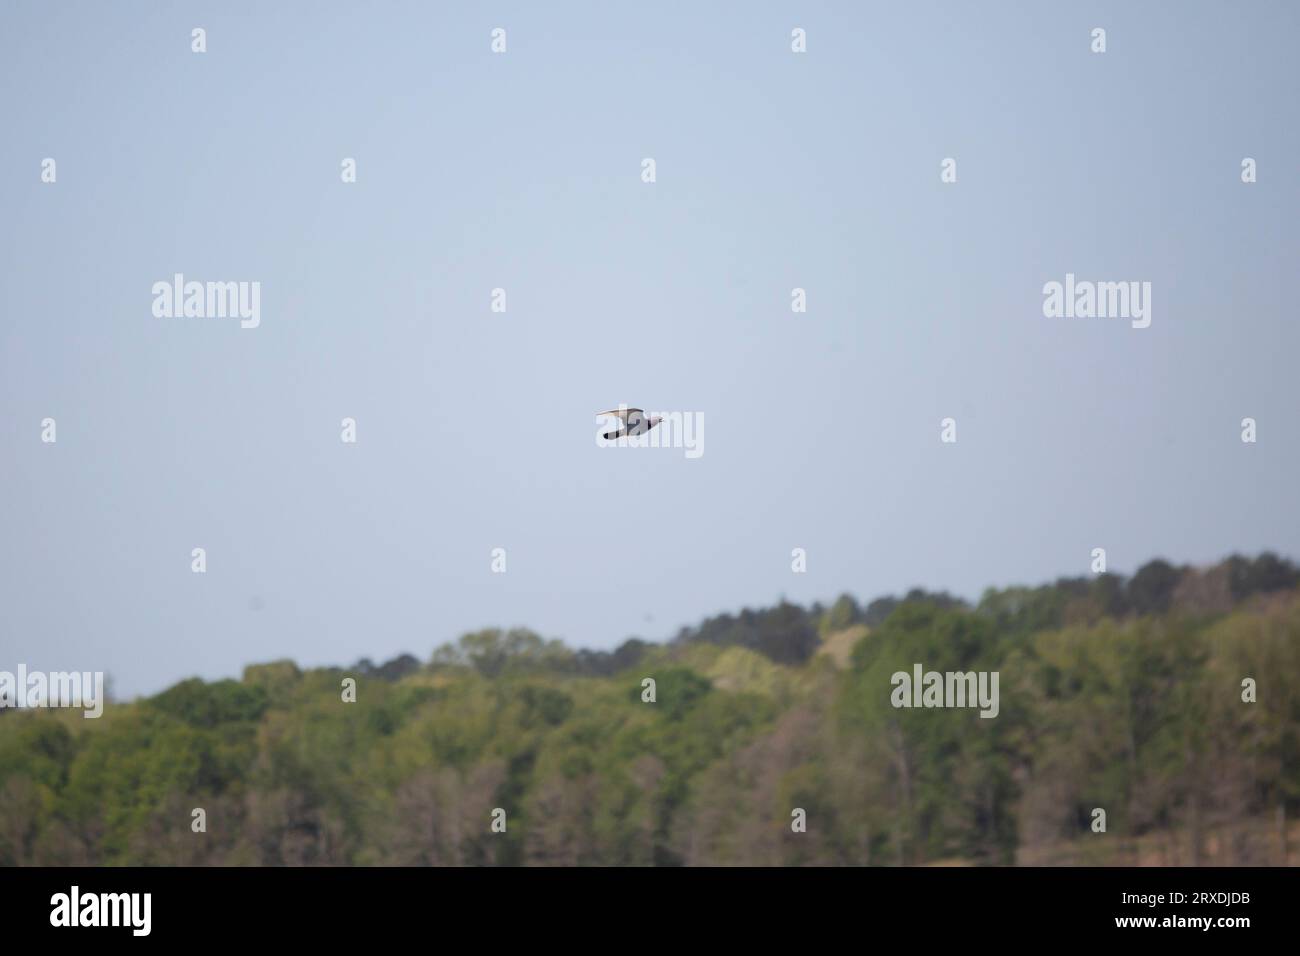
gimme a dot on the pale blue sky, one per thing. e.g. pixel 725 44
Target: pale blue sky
pixel 522 170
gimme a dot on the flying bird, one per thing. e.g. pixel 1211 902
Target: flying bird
pixel 635 422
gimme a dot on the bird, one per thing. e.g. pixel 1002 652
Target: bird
pixel 635 422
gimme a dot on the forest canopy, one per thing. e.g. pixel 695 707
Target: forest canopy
pixel 1119 693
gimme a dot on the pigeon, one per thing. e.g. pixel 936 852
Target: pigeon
pixel 635 422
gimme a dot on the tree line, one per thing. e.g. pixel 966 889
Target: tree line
pixel 1168 699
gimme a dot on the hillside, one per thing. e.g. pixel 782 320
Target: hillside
pixel 1120 694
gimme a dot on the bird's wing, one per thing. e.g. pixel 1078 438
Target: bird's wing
pixel 625 414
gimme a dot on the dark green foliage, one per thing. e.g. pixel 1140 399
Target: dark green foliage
pixel 1265 574
pixel 401 666
pixel 550 707
pixel 207 705
pixel 607 663
pixel 677 689
pixel 1152 589
pixel 787 633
